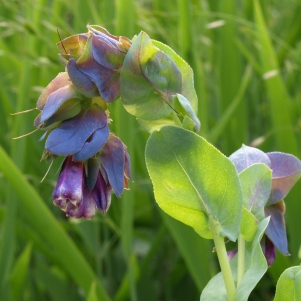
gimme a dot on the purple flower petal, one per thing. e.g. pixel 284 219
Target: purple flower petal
pixel 72 134
pixel 112 159
pixel 102 194
pixel 61 80
pixel 269 250
pixel 286 172
pixel 276 230
pixel 86 208
pixel 246 156
pixel 81 82
pixel 93 144
pixel 231 254
pixel 70 184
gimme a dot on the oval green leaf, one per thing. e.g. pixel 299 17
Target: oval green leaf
pixel 248 225
pixel 192 180
pixel 256 181
pixel 149 80
pixel 289 285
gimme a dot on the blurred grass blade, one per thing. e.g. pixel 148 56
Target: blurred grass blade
pixel 277 94
pixel 194 250
pixel 19 272
pixel 229 64
pixel 221 125
pixel 41 218
pixel 124 288
pixel 125 25
pixel 92 296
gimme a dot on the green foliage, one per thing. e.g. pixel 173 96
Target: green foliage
pixel 254 269
pixel 193 180
pixel 236 105
pixel 289 284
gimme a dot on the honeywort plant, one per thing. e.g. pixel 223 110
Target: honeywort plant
pixel 238 199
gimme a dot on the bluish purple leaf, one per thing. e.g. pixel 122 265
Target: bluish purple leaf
pixel 106 80
pixel 286 172
pixel 246 156
pixel 56 99
pixel 92 170
pixel 276 230
pixel 72 134
pixel 112 159
pixel 81 81
pixel 61 80
pixel 106 52
pixel 127 164
pixel 93 144
pixel 69 109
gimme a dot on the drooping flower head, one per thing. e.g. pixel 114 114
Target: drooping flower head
pixel 83 187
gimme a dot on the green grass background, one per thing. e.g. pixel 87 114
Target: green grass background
pixel 246 57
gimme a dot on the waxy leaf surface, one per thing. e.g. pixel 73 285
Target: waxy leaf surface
pixel 192 179
pixel 289 285
pixel 248 226
pixel 256 188
pixel 185 108
pixel 255 268
pixel 70 137
pixel 187 89
pixel 276 230
pixel 149 80
pixel 246 156
pixel 286 172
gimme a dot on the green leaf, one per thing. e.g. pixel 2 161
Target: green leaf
pixel 255 264
pixel 256 181
pixel 192 180
pixel 149 80
pixel 187 89
pixel 155 125
pixel 19 273
pixel 255 267
pixel 185 108
pixel 248 225
pixel 289 285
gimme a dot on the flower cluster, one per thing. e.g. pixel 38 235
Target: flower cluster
pixel 74 114
pixel 286 171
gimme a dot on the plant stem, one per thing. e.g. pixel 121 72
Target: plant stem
pixel 223 259
pixel 241 259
